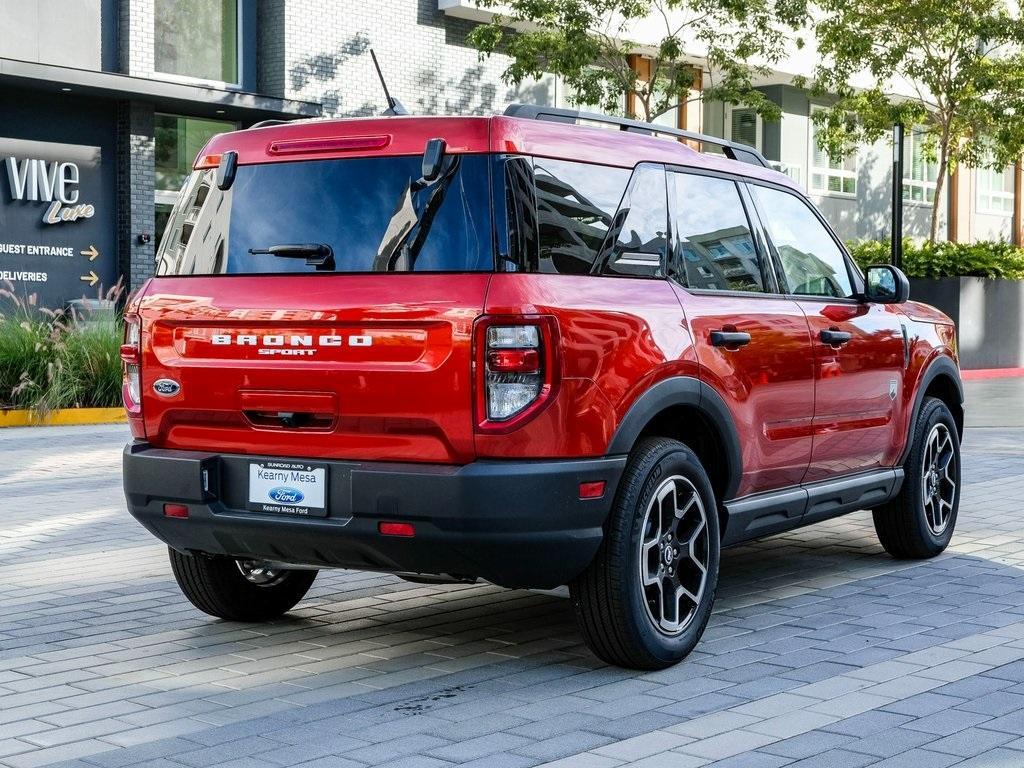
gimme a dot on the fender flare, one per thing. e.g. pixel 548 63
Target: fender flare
pixel 683 390
pixel 940 366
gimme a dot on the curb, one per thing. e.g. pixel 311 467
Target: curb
pixel 65 417
pixel 979 374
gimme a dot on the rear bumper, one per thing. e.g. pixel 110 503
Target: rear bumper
pixel 514 523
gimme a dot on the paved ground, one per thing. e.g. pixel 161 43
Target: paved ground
pixel 822 651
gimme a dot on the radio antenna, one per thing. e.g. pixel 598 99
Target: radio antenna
pixel 395 107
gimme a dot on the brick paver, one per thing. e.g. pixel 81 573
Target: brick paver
pixel 822 650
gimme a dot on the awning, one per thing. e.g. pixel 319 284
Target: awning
pixel 179 98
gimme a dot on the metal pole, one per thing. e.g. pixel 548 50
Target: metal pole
pixel 897 195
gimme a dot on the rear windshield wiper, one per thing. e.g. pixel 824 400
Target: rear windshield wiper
pixel 319 255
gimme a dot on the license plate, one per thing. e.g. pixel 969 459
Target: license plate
pixel 288 488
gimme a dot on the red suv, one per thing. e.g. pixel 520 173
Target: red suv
pixel 523 349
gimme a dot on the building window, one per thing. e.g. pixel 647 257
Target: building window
pixel 995 191
pixel 919 172
pixel 828 176
pixel 178 141
pixel 197 39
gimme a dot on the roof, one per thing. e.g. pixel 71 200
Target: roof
pixel 407 135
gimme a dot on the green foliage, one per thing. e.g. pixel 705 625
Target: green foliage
pixel 51 360
pixel 942 259
pixel 587 43
pixel 960 63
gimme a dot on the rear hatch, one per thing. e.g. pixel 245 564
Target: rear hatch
pixel 320 308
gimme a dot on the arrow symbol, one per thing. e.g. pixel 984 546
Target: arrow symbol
pixel 91 252
pixel 92 278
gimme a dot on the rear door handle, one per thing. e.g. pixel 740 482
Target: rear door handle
pixel 835 337
pixel 729 338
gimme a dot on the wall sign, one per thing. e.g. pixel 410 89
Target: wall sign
pixel 57 221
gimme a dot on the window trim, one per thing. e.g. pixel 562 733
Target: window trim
pixel 852 270
pixel 223 85
pixel 993 195
pixel 757 235
pixel 812 169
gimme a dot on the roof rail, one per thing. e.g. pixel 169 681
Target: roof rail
pixel 273 121
pixel 741 152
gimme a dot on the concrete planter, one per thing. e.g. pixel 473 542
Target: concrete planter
pixel 989 316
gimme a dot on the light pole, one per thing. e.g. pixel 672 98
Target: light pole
pixel 897 195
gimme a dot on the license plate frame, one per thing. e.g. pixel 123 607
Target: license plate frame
pixel 286 487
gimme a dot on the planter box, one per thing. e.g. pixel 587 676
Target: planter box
pixel 989 316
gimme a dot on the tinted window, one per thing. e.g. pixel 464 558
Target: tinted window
pixel 575 206
pixel 375 215
pixel 714 248
pixel 812 263
pixel 639 227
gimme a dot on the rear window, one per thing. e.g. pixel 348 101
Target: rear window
pixel 368 214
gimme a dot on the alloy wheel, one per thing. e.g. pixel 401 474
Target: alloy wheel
pixel 674 554
pixel 938 478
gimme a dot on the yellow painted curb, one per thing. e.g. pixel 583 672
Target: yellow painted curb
pixel 67 417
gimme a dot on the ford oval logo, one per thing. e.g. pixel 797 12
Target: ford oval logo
pixel 166 387
pixel 284 495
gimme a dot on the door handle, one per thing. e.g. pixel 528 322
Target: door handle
pixel 835 337
pixel 729 338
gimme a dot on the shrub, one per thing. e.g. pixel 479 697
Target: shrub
pixel 988 259
pixel 51 360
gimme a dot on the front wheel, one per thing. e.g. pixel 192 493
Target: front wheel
pixel 919 522
pixel 239 590
pixel 644 601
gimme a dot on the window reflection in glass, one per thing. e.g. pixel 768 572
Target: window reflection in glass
pixel 575 206
pixel 642 236
pixel 197 38
pixel 811 261
pixel 714 247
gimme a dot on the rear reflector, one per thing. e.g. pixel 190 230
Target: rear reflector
pixel 396 529
pixel 594 490
pixel 175 510
pixel 328 144
pixel 207 161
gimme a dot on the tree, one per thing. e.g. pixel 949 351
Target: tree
pixel 587 43
pixel 952 71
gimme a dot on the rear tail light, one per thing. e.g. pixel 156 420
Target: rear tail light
pixel 131 356
pixel 517 370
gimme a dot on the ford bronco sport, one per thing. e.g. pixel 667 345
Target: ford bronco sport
pixel 526 349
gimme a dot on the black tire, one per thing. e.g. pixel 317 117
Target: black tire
pixel 615 611
pixel 905 525
pixel 216 585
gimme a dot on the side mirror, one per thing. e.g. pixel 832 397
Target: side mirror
pixel 886 284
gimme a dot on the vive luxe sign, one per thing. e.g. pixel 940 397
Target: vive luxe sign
pixel 55 183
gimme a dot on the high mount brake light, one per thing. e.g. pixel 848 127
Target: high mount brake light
pixel 328 144
pixel 516 369
pixel 131 356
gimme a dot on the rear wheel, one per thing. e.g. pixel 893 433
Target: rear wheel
pixel 919 522
pixel 645 599
pixel 239 590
